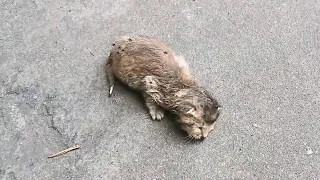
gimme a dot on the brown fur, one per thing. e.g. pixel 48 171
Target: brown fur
pixel 149 66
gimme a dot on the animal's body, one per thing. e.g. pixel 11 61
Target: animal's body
pixel 152 68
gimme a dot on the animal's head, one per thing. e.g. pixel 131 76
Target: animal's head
pixel 197 112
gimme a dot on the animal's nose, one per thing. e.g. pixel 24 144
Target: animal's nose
pixel 202 138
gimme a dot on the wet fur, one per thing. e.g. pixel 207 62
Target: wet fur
pixel 149 66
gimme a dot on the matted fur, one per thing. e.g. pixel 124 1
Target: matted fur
pixel 149 66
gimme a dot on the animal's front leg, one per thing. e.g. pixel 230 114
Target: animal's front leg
pixel 156 112
pixel 151 96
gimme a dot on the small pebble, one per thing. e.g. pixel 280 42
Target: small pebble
pixel 309 151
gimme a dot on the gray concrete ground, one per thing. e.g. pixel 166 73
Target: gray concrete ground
pixel 261 59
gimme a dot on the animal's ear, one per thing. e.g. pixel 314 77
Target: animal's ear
pixel 213 103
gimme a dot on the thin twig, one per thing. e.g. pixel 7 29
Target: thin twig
pixel 64 151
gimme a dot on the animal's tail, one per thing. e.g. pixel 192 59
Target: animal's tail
pixel 110 75
pixel 119 46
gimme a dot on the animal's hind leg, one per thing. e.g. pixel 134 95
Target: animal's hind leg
pixel 184 67
pixel 110 76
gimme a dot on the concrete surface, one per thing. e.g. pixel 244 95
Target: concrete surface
pixel 260 58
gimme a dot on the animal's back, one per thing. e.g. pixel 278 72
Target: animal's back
pixel 135 58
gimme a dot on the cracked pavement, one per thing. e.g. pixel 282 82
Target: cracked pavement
pixel 261 60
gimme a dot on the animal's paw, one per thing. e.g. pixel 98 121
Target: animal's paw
pixel 157 113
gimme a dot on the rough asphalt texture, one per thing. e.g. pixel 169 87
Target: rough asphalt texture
pixel 260 59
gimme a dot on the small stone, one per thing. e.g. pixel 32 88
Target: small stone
pixel 309 151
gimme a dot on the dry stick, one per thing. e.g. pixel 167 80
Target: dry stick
pixel 64 151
